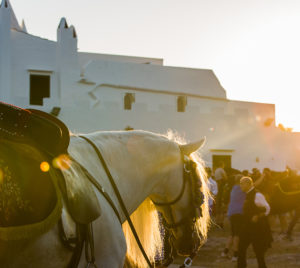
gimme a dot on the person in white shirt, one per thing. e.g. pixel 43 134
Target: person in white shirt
pixel 256 229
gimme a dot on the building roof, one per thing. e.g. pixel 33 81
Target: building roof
pixel 85 57
pixel 199 82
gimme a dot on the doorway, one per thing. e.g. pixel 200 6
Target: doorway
pixel 226 159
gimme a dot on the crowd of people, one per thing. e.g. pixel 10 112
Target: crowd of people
pixel 245 197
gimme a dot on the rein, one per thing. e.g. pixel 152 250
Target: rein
pixel 120 199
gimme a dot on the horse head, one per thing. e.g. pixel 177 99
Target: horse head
pixel 183 204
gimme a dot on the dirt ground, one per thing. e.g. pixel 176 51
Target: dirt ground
pixel 284 253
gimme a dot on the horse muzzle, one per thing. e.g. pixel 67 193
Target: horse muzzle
pixel 187 244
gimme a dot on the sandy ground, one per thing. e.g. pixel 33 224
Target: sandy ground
pixel 283 253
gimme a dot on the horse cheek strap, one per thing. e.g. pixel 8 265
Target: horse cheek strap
pixel 197 195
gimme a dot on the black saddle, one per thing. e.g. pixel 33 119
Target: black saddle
pixel 27 194
pixel 34 127
pixel 49 135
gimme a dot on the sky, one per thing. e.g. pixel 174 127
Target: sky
pixel 253 46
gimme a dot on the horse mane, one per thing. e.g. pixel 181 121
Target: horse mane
pixel 146 221
pixel 202 224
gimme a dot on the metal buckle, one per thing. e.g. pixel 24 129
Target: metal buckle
pixel 185 168
pixel 91 265
pixel 188 262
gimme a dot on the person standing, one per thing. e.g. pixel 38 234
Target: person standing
pixel 221 179
pixel 256 229
pixel 234 213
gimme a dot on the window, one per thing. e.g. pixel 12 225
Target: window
pixel 129 98
pixel 39 88
pixel 181 103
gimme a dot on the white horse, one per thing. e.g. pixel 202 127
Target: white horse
pixel 147 169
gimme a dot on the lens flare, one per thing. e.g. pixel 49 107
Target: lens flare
pixel 45 166
pixel 62 162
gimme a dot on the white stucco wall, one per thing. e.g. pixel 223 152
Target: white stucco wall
pixel 220 121
pixel 30 54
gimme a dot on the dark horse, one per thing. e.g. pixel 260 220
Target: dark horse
pixel 282 191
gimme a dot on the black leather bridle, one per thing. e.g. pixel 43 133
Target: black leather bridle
pixel 189 176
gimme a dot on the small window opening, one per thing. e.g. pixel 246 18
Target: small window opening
pixel 129 98
pixel 39 88
pixel 181 103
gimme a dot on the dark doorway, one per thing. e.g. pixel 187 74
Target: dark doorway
pixel 39 88
pixel 226 159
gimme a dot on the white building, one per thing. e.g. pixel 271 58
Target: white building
pixel 106 92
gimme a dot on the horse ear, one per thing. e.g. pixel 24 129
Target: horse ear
pixel 189 148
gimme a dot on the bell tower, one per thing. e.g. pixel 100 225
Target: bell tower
pixel 66 58
pixel 5 51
